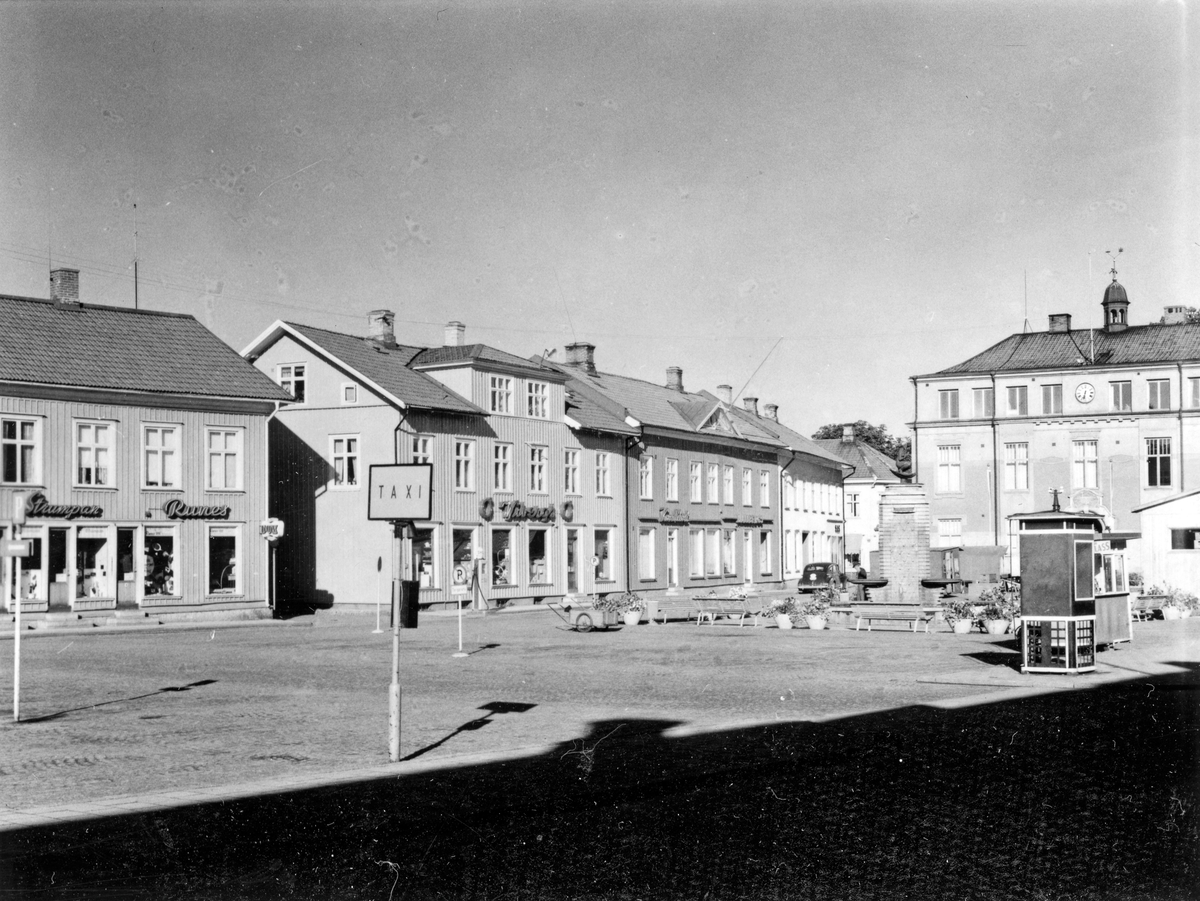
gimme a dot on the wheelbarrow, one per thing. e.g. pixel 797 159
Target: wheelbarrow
pixel 584 617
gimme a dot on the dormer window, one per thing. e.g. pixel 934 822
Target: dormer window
pixel 537 396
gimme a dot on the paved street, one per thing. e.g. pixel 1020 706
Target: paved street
pixel 160 721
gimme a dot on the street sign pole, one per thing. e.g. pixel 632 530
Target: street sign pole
pixel 18 520
pixel 401 564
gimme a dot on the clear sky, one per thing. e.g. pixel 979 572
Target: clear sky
pixel 807 201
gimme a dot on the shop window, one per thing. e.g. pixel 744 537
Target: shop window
pixel 500 392
pixel 158 565
pixel 94 563
pixel 602 552
pixel 343 453
pixel 765 563
pixel 1108 570
pixel 292 378
pixel 712 552
pixel 502 572
pixel 696 553
pixel 603 475
pixel 464 465
pixel 1185 539
pixel 539 557
pixel 646 570
pixel 160 461
pixel 224 560
pixel 672 474
pixel 464 558
pixel 93 454
pixel 422 449
pixel 571 471
pixel 225 459
pixel 537 470
pixel 1158 462
pixel 422 550
pixel 502 467
pixel 695 488
pixel 727 561
pixel 538 400
pixel 19 455
pixel 32 586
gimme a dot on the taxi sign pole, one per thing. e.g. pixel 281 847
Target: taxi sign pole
pixel 401 563
pixel 18 521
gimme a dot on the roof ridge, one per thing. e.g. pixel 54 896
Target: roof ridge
pixel 77 305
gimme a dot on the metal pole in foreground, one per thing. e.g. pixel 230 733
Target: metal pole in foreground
pixel 378 593
pixel 17 637
pixel 402 560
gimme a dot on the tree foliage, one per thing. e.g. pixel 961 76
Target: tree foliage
pixel 899 449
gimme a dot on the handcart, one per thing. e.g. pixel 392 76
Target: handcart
pixel 583 617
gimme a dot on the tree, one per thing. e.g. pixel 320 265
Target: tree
pixel 899 449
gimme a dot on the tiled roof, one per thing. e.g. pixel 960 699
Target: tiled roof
pixel 432 356
pixel 868 462
pixel 788 436
pixel 388 368
pixel 1136 345
pixel 117 348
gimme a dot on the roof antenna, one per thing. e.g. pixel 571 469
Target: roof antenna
pixel 135 259
pixel 1113 256
pixel 1025 272
pixel 566 309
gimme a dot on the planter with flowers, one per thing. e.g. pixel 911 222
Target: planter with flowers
pixel 815 607
pixel 786 611
pixel 959 614
pixel 624 604
pixel 998 611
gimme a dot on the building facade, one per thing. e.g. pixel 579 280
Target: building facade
pixel 140 442
pixel 873 471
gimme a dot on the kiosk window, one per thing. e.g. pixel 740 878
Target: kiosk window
pixel 1185 539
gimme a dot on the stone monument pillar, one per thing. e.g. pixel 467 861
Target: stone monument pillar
pixel 903 544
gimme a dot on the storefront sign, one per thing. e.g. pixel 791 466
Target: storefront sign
pixel 750 521
pixel 176 509
pixel 667 515
pixel 515 511
pixel 271 529
pixel 40 509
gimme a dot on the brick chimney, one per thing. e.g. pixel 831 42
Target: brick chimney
pixel 582 355
pixel 1174 315
pixel 381 327
pixel 847 434
pixel 725 393
pixel 455 334
pixel 675 378
pixel 751 405
pixel 772 411
pixel 1060 322
pixel 64 287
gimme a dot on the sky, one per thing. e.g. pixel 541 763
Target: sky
pixel 809 202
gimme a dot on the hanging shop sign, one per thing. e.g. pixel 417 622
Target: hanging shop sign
pixel 176 509
pixel 39 508
pixel 515 511
pixel 567 511
pixel 678 515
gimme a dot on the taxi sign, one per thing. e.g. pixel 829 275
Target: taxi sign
pixel 271 529
pixel 401 492
pixel 18 548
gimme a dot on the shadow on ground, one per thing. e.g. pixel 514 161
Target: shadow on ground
pixel 1081 795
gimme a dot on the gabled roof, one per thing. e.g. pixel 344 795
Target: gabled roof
pixel 1167 500
pixel 868 462
pixel 788 436
pixel 470 353
pixel 386 369
pixel 1080 348
pixel 121 349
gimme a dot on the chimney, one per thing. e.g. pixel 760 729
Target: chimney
pixel 751 405
pixel 1060 322
pixel 1174 315
pixel 582 355
pixel 725 393
pixel 847 434
pixel 455 334
pixel 64 287
pixel 772 411
pixel 381 328
pixel 675 378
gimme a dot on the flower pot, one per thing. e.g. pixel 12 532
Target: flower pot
pixel 633 617
pixel 815 622
pixel 1171 613
pixel 996 626
pixel 783 620
pixel 962 626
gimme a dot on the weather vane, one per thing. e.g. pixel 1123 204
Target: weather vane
pixel 1113 256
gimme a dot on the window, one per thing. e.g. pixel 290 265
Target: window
pixel 1160 394
pixel 852 504
pixel 645 553
pixel 502 573
pixel 695 489
pixel 93 454
pixel 344 455
pixel 949 532
pixel 1185 539
pixel 502 467
pixel 1158 462
pixel 224 569
pixel 696 553
pixel 764 553
pixel 727 562
pixel 1018 400
pixel 537 396
pixel 464 558
pixel 422 449
pixel 158 568
pixel 1194 392
pixel 1084 464
pixel 672 473
pixel 1109 570
pixel 747 487
pixel 537 470
pixel 727 485
pixel 603 555
pixel 985 402
pixel 571 471
pixel 764 488
pixel 539 557
pixel 1016 467
pixel 224 459
pixel 292 379
pixel 603 485
pixel 712 551
pixel 464 465
pixel 349 394
pixel 646 477
pixel 948 404
pixel 160 460
pixel 713 475
pixel 949 469
pixel 423 543
pixel 1122 395
pixel 1051 400
pixel 18 440
pixel 500 392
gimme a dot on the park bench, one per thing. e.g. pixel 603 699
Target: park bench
pixel 1144 607
pixel 662 608
pixel 901 613
pixel 710 608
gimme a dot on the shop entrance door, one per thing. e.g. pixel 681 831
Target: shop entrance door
pixel 572 561
pixel 126 571
pixel 93 563
pixel 58 571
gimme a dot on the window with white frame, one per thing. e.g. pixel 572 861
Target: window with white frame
pixel 537 396
pixel 93 454
pixel 500 394
pixel 349 393
pixel 160 563
pixel 948 404
pixel 727 485
pixel 728 567
pixel 645 553
pixel 765 556
pixel 502 467
pixel 225 459
pixel 603 476
pixel 646 477
pixel 1016 466
pixel 1158 462
pixel 1122 395
pixel 160 456
pixel 764 488
pixel 539 556
pixel 696 553
pixel 672 476
pixel 1085 471
pixel 1159 394
pixel 464 464
pixel 537 470
pixel 949 532
pixel 571 471
pixel 712 552
pixel 984 400
pixel 851 503
pixel 20 460
pixel 1018 400
pixel 602 545
pixel 747 487
pixel 949 468
pixel 224 559
pixel 343 454
pixel 1052 400
pixel 695 488
pixel 422 448
pixel 1193 389
pixel 714 474
pixel 293 378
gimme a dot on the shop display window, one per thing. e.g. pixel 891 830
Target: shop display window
pixel 603 555
pixel 93 563
pixel 224 576
pixel 158 574
pixel 502 557
pixel 539 557
pixel 422 547
pixel 464 558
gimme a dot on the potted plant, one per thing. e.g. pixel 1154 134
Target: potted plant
pixel 1173 606
pixel 619 604
pixel 785 611
pixel 815 608
pixel 959 614
pixel 998 611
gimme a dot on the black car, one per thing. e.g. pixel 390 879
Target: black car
pixel 820 575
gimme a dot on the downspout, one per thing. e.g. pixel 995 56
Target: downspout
pixel 995 470
pixel 1182 480
pixel 782 549
pixel 629 524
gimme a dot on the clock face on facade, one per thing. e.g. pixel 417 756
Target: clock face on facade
pixel 1084 393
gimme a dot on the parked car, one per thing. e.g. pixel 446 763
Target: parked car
pixel 820 575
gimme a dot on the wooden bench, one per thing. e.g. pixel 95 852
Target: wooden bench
pixel 1144 607
pixel 893 613
pixel 710 608
pixel 662 608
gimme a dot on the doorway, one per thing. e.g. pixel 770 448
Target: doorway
pixel 58 571
pixel 748 557
pixel 572 561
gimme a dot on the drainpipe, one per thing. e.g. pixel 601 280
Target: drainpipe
pixel 629 524
pixel 995 471
pixel 782 549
